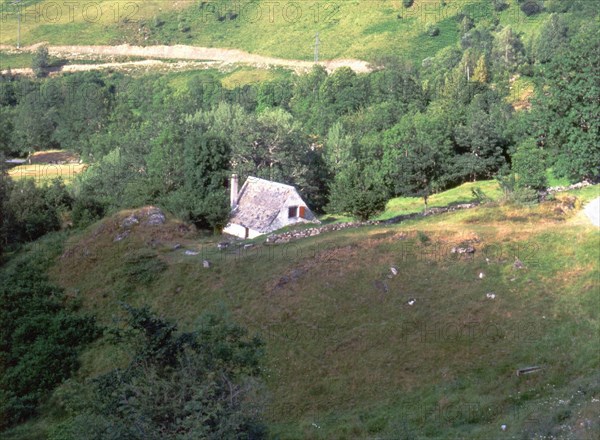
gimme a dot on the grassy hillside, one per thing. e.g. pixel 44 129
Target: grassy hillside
pixel 348 357
pixel 358 29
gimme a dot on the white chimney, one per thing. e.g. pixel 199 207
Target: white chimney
pixel 233 188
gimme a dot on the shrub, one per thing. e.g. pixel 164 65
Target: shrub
pixel 40 62
pixel 531 7
pixel 408 3
pixel 196 385
pixel 433 30
pixel 40 339
pixel 499 5
pixel 529 166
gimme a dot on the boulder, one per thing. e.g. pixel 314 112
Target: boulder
pixel 128 222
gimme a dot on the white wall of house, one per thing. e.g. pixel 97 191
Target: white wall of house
pixel 283 218
pixel 240 231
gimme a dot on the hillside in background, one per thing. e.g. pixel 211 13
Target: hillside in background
pixel 347 29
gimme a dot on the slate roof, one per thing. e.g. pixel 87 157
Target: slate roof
pixel 259 202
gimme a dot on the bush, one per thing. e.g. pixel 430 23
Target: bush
pixel 408 3
pixel 499 5
pixel 87 210
pixel 531 7
pixel 40 339
pixel 433 30
pixel 524 196
pixel 40 62
pixel 31 212
pixel 529 166
pixel 201 384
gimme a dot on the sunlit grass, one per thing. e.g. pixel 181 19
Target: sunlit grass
pixel 43 173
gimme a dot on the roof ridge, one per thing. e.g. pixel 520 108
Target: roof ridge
pixel 254 178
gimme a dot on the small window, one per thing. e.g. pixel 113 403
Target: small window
pixel 292 212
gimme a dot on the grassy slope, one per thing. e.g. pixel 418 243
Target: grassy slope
pixel 357 360
pixel 358 29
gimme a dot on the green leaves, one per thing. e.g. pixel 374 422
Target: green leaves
pixel 566 113
pixel 39 341
pixel 188 385
pixel 529 166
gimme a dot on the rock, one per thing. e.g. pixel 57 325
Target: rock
pixel 411 301
pixel 156 218
pixel 394 270
pixel 121 236
pixel 128 222
pixel 518 264
pixel 503 427
pixel 191 253
pixel 481 275
pixel 463 250
pixel 223 245
pixel 490 295
pixel 206 264
pixel 177 246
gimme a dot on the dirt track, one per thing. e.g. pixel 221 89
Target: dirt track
pixel 181 52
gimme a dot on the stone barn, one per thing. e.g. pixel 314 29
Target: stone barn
pixel 262 206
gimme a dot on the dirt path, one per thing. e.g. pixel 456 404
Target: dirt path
pixel 181 52
pixel 125 66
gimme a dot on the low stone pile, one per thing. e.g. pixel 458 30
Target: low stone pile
pixel 579 185
pixel 286 237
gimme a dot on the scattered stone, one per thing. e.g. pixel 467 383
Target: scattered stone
pixel 503 427
pixel 155 217
pixel 121 236
pixel 206 264
pixel 490 295
pixel 411 301
pixel 481 275
pixel 128 222
pixel 394 270
pixel 528 370
pixel 463 250
pixel 177 246
pixel 282 281
pixel 518 264
pixel 223 245
pixel 191 253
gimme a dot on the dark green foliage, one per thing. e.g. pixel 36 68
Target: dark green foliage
pixel 529 166
pixel 3 194
pixel 198 384
pixel 40 62
pixel 433 31
pixel 408 3
pixel 552 37
pixel 531 7
pixel 40 339
pixel 358 190
pixel 566 108
pixel 500 5
pixel 30 211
